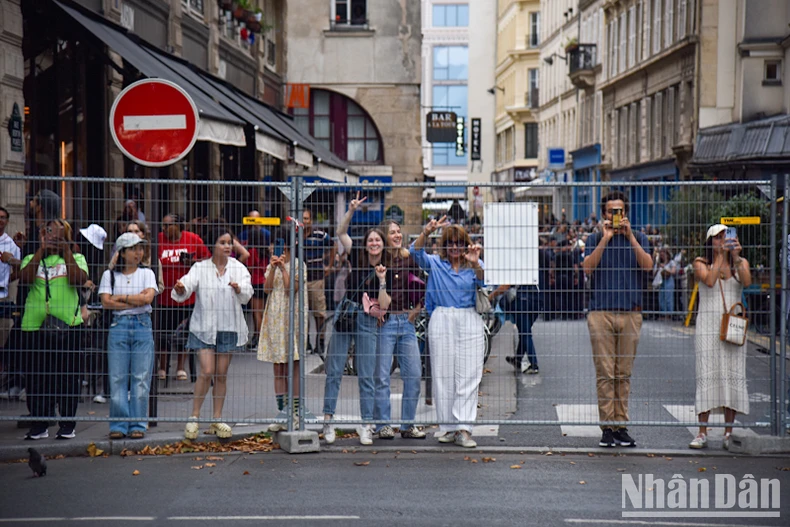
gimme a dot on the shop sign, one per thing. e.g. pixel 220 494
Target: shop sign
pixel 15 129
pixel 460 146
pixel 154 122
pixel 556 158
pixel 297 96
pixel 440 127
pixel 475 140
pixel 395 213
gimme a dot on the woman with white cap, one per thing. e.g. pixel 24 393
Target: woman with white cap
pixel 721 367
pixel 129 291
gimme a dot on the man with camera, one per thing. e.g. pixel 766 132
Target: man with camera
pixel 615 259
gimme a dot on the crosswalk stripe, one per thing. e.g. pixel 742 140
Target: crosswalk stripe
pixel 580 413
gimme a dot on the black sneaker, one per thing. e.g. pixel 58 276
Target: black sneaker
pixel 513 361
pixel 32 435
pixel 622 438
pixel 65 433
pixel 607 438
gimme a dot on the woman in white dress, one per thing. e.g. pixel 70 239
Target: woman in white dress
pixel 721 366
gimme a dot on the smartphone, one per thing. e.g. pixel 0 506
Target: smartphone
pixel 731 233
pixel 279 246
pixel 617 217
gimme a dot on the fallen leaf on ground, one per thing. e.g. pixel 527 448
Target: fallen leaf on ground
pixel 549 454
pixel 489 459
pixel 211 464
pixel 197 467
pixel 246 473
pixel 473 461
pixel 413 451
pixel 515 466
pixel 362 463
pixel 94 451
pixel 573 462
pixel 582 483
pixel 215 458
pixel 590 454
pixel 136 473
pixel 620 470
pixel 91 413
pixel 702 469
pixel 467 458
pixel 486 370
pixel 668 458
pixel 651 455
pixel 198 458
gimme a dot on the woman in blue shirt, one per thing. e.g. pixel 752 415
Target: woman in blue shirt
pixel 455 332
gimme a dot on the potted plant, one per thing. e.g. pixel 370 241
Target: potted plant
pixel 254 20
pixel 571 45
pixel 241 9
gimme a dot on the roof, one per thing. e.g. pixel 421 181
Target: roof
pixel 766 141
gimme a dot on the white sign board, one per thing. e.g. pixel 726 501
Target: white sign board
pixel 510 243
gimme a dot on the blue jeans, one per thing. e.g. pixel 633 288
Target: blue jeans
pixel 366 340
pixel 666 297
pixel 397 336
pixel 526 308
pixel 130 349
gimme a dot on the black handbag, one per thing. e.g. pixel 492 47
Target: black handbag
pixel 346 310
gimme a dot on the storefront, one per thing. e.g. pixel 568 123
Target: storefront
pixel 586 162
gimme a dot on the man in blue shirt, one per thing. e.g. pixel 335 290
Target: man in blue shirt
pixel 615 259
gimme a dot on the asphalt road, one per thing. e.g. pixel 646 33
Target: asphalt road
pixel 363 488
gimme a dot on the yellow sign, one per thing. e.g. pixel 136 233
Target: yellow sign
pixel 249 220
pixel 742 220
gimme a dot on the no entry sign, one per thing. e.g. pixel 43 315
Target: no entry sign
pixel 154 122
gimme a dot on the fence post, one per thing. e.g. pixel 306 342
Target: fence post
pixel 772 309
pixel 783 386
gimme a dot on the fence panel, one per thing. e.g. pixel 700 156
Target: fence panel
pixel 618 336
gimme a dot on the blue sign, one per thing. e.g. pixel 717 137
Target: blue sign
pixel 557 158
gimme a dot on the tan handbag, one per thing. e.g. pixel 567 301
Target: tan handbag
pixel 733 326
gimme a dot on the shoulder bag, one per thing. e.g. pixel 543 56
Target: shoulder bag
pixel 346 311
pixel 482 302
pixel 733 326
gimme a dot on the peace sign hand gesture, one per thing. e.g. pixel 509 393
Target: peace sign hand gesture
pixel 356 203
pixel 433 225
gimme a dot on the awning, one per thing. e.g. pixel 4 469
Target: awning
pixel 217 125
pixel 763 142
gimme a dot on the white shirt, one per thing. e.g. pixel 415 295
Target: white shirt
pixel 203 278
pixel 7 245
pixel 132 284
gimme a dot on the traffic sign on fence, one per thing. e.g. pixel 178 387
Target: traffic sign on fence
pixel 154 122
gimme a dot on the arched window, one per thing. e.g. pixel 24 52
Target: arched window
pixel 342 126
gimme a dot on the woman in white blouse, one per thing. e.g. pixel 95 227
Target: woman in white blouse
pixel 217 328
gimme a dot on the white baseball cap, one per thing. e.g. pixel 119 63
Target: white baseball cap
pixel 715 230
pixel 128 239
pixel 94 234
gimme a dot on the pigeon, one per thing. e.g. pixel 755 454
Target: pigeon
pixel 37 463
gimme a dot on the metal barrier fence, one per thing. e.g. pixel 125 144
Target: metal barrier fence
pixel 533 349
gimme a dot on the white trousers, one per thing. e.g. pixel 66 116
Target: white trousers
pixel 456 344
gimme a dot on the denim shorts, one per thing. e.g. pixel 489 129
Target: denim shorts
pixel 226 342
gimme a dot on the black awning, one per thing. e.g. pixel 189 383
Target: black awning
pixel 762 142
pixel 217 124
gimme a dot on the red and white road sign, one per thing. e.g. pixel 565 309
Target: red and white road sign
pixel 154 122
pixel 476 191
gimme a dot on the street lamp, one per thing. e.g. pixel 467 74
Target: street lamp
pixel 550 59
pixel 492 90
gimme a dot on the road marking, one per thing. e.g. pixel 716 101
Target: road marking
pixel 685 413
pixel 644 522
pixel 154 122
pixel 579 413
pixel 82 519
pixel 259 518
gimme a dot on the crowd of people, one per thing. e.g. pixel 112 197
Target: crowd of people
pixel 204 279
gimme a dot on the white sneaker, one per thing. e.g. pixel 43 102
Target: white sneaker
pixel 365 434
pixel 329 434
pixel 701 441
pixel 100 399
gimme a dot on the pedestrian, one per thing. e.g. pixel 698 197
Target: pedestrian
pixel 368 277
pixel 10 260
pixel 525 308
pixel 456 331
pixel 258 248
pixel 51 329
pixel 319 256
pixel 128 292
pixel 721 366
pixel 178 250
pixel 275 329
pixel 616 259
pixel 667 269
pixel 398 337
pixel 217 327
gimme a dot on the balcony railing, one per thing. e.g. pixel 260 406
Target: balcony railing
pixel 581 58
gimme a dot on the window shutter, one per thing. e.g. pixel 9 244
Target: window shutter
pixel 656 26
pixel 597 117
pixel 671 132
pixel 631 36
pixel 668 22
pixel 646 23
pixel 648 129
pixel 623 42
pixel 682 18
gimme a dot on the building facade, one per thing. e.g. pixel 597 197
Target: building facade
pixel 361 60
pixel 744 99
pixel 81 54
pixel 517 91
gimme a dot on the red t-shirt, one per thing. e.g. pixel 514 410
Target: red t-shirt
pixel 172 268
pixel 256 265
